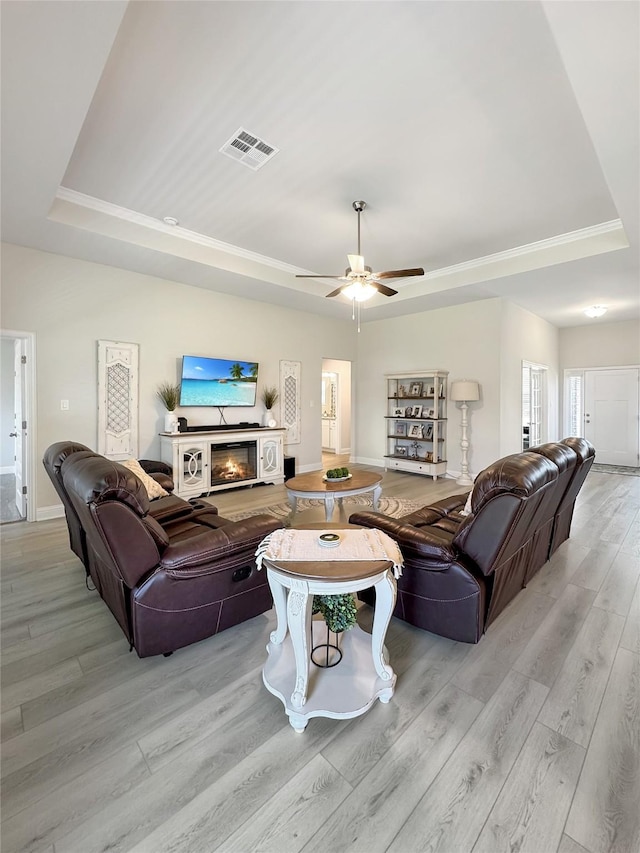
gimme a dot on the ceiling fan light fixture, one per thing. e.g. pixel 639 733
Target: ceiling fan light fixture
pixel 359 290
pixel 596 311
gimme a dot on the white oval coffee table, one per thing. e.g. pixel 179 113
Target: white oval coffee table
pixel 314 486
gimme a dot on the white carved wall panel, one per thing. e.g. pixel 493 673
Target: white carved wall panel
pixel 118 399
pixel 290 395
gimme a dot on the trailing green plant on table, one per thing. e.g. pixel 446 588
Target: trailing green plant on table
pixel 338 611
pixel 169 394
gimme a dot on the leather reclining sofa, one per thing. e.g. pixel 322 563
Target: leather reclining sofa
pixel 171 578
pixel 166 508
pixel 462 570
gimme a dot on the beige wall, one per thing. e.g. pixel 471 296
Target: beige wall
pixel 71 304
pixel 525 337
pixel 464 340
pixel 600 344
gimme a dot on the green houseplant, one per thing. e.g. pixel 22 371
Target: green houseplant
pixel 169 394
pixel 269 397
pixel 338 611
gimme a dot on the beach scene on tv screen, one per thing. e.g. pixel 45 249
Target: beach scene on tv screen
pixel 218 382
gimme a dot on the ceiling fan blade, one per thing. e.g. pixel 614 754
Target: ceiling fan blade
pixel 399 273
pixel 335 292
pixel 383 289
pixel 320 276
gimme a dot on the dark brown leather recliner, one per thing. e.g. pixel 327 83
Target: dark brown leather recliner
pixel 167 586
pixel 163 509
pixel 586 453
pixel 566 461
pixel 573 467
pixel 461 572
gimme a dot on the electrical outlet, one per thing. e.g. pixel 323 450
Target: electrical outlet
pixel 64 405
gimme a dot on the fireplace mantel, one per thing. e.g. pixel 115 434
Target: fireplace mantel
pixel 189 454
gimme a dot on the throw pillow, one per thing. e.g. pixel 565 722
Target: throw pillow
pixel 467 507
pixel 154 489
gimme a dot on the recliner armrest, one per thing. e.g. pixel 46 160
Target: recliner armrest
pixel 430 545
pixel 203 553
pixel 163 480
pixel 451 505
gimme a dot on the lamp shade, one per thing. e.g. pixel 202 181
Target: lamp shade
pixel 464 390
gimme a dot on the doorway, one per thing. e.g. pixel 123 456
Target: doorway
pixel 17 423
pixel 335 406
pixel 603 406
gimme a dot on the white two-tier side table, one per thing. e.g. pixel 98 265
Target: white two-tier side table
pixel 363 675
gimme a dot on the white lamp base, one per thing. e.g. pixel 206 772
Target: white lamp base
pixel 464 481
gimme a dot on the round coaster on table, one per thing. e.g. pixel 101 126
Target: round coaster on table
pixel 329 540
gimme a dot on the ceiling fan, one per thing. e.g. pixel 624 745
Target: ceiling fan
pixel 360 283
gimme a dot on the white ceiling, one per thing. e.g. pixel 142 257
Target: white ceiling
pixel 495 143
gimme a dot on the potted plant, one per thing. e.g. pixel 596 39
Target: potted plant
pixel 169 394
pixel 269 397
pixel 338 611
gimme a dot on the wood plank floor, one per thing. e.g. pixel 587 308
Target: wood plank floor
pixel 527 741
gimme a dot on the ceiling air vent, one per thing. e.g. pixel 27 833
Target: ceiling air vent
pixel 248 149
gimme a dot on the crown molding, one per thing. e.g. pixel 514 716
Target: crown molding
pixel 93 214
pixel 125 214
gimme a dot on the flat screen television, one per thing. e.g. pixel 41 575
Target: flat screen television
pixel 218 382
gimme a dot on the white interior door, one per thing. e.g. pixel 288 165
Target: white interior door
pixel 19 425
pixel 611 415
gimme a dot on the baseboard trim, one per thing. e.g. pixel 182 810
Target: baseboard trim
pixel 46 513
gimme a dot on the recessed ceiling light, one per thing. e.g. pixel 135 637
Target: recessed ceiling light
pixel 170 220
pixel 596 311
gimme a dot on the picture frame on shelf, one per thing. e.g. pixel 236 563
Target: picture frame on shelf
pixel 400 428
pixel 402 391
pixel 407 412
pixel 430 391
pixel 441 389
pixel 399 412
pixel 415 389
pixel 416 412
pixel 400 450
pixel 428 432
pixel 429 413
pixel 415 430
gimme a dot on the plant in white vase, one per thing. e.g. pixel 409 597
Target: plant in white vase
pixel 169 394
pixel 269 397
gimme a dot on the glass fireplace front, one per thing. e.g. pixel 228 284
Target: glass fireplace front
pixel 233 461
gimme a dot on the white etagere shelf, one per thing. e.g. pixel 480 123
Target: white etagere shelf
pixel 417 422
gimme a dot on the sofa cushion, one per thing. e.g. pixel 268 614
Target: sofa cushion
pixel 154 489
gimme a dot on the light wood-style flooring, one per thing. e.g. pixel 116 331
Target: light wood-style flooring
pixel 527 741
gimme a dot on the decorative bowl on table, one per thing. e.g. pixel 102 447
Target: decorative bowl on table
pixel 336 475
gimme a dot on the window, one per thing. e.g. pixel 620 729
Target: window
pixel 534 404
pixel 574 402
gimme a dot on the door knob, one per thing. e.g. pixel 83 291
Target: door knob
pixel 13 434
